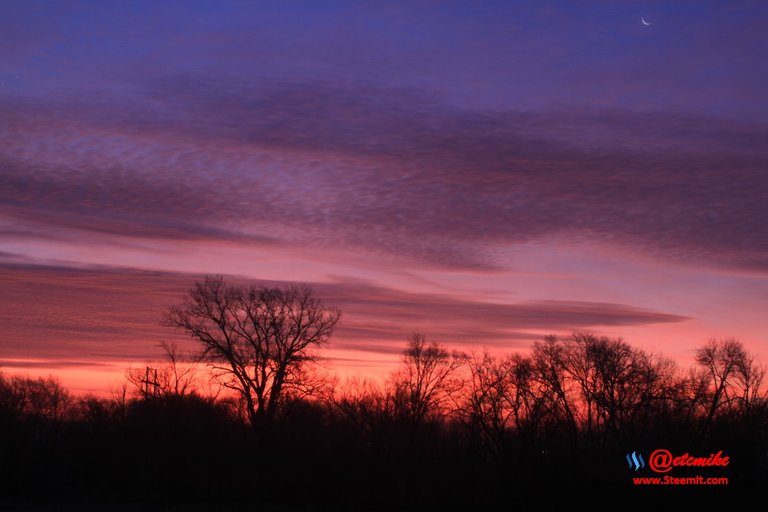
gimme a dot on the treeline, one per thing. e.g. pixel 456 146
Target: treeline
pixel 248 423
pixel 447 427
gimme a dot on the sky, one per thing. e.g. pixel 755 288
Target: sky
pixel 482 172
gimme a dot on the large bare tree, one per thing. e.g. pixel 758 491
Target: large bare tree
pixel 259 338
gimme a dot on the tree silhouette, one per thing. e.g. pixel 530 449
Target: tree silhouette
pixel 550 361
pixel 491 404
pixel 40 398
pixel 617 382
pixel 424 383
pixel 734 377
pixel 176 376
pixel 506 432
pixel 260 339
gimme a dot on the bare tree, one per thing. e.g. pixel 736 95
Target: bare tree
pixel 175 377
pixel 425 383
pixel 735 377
pixel 532 400
pixel 694 390
pixel 617 382
pixel 490 401
pixel 260 339
pixel 364 403
pixel 721 359
pixel 41 397
pixel 749 383
pixel 550 361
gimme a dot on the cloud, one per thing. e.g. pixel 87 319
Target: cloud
pixel 379 313
pixel 107 314
pixel 385 169
pixel 50 364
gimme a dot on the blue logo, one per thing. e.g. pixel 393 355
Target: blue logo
pixel 635 460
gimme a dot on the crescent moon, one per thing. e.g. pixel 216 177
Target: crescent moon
pixel 645 22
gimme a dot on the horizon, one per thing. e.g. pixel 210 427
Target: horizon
pixel 485 175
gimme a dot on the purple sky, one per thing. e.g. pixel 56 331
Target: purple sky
pixel 482 172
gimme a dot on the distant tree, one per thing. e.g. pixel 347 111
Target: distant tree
pixel 489 400
pixel 425 382
pixel 504 397
pixel 693 397
pixel 259 338
pixel 735 378
pixel 617 383
pixel 365 404
pixel 550 358
pixel 720 359
pixel 749 384
pixel 40 398
pixel 532 400
pixel 96 411
pixel 174 377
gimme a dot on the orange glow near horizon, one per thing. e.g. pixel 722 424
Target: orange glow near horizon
pixel 86 324
pixel 480 185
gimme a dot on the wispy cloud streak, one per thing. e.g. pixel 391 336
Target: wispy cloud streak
pixel 115 314
pixel 387 170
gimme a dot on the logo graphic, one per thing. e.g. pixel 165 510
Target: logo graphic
pixel 661 461
pixel 635 459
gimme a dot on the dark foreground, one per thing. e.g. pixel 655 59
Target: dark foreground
pixel 189 454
